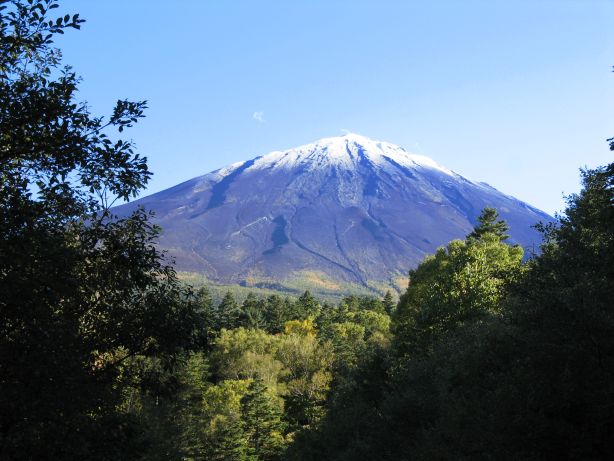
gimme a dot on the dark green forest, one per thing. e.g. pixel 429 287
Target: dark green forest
pixel 106 355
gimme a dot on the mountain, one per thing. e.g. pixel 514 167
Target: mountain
pixel 343 209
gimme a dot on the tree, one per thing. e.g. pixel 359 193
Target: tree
pixel 307 373
pixel 82 293
pixel 274 315
pixel 488 223
pixel 188 408
pixel 230 443
pixel 462 282
pixel 350 303
pixel 374 322
pixel 244 354
pixel 228 312
pixel 262 422
pixel 306 306
pixel 222 433
pixel 251 313
pixel 388 302
pixel 204 305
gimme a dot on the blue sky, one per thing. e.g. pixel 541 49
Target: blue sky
pixel 515 93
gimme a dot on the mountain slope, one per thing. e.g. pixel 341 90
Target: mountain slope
pixel 346 209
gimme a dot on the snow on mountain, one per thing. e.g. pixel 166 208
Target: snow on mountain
pixel 347 208
pixel 344 151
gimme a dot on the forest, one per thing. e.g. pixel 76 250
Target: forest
pixel 106 355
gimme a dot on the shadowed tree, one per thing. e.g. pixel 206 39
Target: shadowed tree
pixel 81 292
pixel 230 443
pixel 262 422
pixel 388 302
pixel 204 304
pixel 274 314
pixel 252 313
pixel 228 312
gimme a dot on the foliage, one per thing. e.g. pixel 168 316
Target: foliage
pixel 81 294
pixel 307 378
pixel 300 327
pixel 245 354
pixel 463 282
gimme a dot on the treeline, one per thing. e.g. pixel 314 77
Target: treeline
pixel 271 313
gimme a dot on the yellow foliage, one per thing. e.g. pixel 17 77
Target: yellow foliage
pixel 300 327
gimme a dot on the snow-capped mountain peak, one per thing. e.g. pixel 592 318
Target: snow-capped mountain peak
pixel 346 208
pixel 347 151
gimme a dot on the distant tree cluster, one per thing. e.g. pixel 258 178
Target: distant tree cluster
pixel 272 313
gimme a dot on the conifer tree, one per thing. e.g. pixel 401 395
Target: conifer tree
pixel 388 301
pixel 306 306
pixel 204 305
pixel 230 443
pixel 262 422
pixel 489 223
pixel 228 312
pixel 274 314
pixel 350 303
pixel 325 317
pixel 251 313
pixel 370 303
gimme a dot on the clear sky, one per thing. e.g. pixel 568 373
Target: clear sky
pixel 515 93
